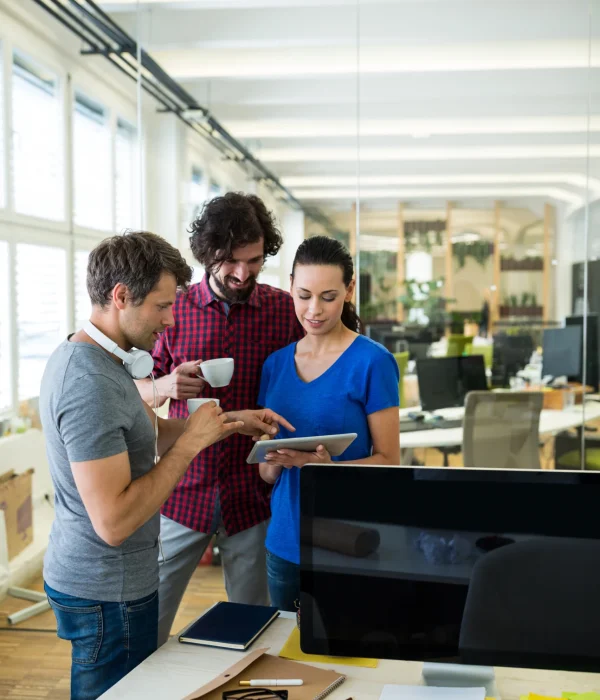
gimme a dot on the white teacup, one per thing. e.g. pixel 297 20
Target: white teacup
pixel 217 372
pixel 194 404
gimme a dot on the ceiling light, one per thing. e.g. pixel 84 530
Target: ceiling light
pixel 199 116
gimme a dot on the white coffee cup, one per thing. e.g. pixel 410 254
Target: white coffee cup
pixel 217 372
pixel 194 404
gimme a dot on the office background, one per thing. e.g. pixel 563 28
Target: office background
pixel 453 145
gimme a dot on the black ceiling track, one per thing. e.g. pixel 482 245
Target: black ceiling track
pixel 103 37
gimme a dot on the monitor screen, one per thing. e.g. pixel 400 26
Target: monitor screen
pixel 511 354
pixel 445 381
pixel 468 566
pixel 592 373
pixel 562 349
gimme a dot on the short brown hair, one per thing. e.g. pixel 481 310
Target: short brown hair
pixel 232 221
pixel 136 259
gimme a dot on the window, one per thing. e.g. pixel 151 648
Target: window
pixel 197 193
pixel 5 359
pixel 83 305
pixel 2 156
pixel 91 165
pixel 214 190
pixel 41 311
pixel 197 275
pixel 419 267
pixel 37 143
pixel 127 190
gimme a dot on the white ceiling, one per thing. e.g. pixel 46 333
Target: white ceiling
pixel 468 100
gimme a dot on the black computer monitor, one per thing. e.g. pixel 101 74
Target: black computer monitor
pixel 511 353
pixel 444 382
pixel 562 348
pixel 592 375
pixel 474 566
pixel 376 331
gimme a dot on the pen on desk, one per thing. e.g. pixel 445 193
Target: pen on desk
pixel 273 681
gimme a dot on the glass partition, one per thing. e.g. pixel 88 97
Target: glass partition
pixel 478 150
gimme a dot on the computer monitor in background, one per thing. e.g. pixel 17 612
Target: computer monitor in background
pixel 444 382
pixel 451 565
pixel 511 353
pixel 562 348
pixel 592 375
pixel 375 331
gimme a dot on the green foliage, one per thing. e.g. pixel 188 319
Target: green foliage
pixel 428 297
pixel 480 251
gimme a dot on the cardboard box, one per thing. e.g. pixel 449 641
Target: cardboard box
pixel 560 399
pixel 15 501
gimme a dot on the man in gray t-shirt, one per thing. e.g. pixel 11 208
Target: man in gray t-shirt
pixel 91 410
pixel 101 566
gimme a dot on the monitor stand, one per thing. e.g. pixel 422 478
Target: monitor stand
pixel 461 676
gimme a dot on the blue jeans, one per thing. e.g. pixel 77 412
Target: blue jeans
pixel 284 582
pixel 108 639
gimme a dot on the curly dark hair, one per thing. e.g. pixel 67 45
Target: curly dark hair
pixel 232 221
pixel 136 259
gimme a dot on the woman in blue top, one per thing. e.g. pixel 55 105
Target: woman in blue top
pixel 332 381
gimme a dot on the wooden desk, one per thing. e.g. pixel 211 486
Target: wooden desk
pixel 178 669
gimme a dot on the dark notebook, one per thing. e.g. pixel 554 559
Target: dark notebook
pixel 230 625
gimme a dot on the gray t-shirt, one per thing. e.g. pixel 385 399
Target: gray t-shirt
pixel 91 409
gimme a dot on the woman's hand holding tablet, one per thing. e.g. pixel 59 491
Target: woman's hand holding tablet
pixel 333 445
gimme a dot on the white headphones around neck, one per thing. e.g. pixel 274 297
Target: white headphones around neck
pixel 138 363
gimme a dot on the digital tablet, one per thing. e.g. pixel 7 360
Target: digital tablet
pixel 334 444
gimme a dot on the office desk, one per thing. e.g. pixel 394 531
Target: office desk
pixel 176 670
pixel 551 423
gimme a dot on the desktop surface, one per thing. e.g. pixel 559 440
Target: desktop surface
pixel 444 382
pixel 414 425
pixel 457 552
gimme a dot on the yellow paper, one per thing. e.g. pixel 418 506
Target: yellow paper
pixel 535 696
pixel 581 696
pixel 291 650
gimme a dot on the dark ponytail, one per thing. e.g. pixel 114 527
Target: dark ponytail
pixel 322 250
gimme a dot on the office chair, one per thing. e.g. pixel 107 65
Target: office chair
pixel 458 345
pixel 537 597
pixel 418 350
pixel 402 362
pixel 486 350
pixel 567 452
pixel 501 431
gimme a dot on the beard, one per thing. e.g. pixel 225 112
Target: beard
pixel 232 295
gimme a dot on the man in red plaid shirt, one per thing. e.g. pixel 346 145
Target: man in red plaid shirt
pixel 228 314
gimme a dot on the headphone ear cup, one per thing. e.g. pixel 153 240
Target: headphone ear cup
pixel 140 365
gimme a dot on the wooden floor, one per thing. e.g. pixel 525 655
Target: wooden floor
pixel 35 664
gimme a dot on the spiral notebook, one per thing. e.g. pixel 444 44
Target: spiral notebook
pixel 318 682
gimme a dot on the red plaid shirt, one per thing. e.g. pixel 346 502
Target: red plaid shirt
pixel 249 334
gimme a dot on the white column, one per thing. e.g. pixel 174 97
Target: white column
pixel 292 229
pixel 166 179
